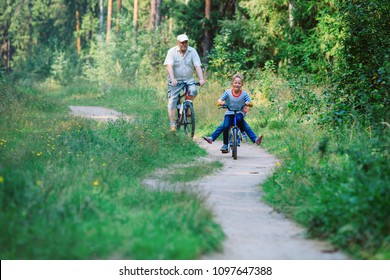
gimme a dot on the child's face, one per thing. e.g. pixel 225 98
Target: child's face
pixel 237 83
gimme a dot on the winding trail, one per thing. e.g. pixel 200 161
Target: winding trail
pixel 254 230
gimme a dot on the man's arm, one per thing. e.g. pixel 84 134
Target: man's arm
pixel 199 71
pixel 171 75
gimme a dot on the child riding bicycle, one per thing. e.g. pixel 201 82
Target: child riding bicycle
pixel 235 98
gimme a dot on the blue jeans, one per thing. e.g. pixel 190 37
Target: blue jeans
pixel 244 127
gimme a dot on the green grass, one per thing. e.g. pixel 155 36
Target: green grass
pixel 71 188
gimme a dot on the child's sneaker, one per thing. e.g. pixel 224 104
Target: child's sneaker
pixel 208 139
pixel 244 136
pixel 258 139
pixel 224 149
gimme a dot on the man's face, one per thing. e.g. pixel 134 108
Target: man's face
pixel 183 46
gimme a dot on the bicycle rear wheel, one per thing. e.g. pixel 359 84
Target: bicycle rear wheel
pixel 234 142
pixel 189 119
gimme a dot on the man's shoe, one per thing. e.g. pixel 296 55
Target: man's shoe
pixel 208 139
pixel 258 140
pixel 224 149
pixel 173 128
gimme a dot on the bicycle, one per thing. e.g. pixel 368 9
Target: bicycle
pixel 234 132
pixel 185 111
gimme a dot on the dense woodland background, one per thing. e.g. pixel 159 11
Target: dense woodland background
pixel 343 44
pixel 318 72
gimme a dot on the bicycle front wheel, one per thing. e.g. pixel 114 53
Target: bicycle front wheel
pixel 189 119
pixel 234 142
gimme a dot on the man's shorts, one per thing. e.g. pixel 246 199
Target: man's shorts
pixel 173 93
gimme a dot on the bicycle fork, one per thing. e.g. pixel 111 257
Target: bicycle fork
pixel 238 133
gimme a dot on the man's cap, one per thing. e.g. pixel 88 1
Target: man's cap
pixel 182 38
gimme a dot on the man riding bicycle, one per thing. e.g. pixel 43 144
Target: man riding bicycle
pixel 180 62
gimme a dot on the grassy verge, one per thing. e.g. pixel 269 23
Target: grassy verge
pixel 336 184
pixel 71 188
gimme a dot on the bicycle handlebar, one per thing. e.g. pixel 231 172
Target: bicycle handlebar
pixel 225 106
pixel 189 84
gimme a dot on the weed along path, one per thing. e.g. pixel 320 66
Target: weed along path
pixel 254 231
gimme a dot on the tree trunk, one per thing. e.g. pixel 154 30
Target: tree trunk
pixel 9 56
pixel 291 7
pixel 118 13
pixel 78 30
pixel 158 13
pixel 135 18
pixel 109 14
pixel 153 8
pixel 101 20
pixel 207 40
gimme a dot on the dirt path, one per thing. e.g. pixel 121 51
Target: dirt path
pixel 254 231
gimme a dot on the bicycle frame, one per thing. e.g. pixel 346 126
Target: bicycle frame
pixel 185 110
pixel 234 133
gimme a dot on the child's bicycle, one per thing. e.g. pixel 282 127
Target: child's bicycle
pixel 185 111
pixel 234 132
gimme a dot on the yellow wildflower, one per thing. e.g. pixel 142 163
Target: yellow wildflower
pixel 95 183
pixel 1 179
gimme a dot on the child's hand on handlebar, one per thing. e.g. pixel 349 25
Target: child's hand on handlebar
pixel 220 102
pixel 249 104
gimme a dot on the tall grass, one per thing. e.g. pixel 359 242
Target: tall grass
pixel 71 188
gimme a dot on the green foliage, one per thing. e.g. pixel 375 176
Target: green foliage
pixel 353 209
pixel 307 100
pixel 226 58
pixel 189 18
pixel 362 72
pixel 124 59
